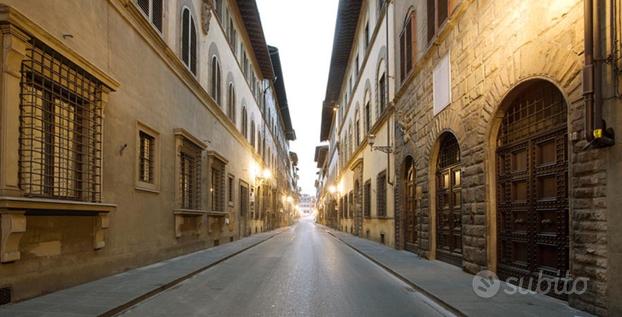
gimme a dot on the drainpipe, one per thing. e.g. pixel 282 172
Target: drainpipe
pixel 388 83
pixel 595 132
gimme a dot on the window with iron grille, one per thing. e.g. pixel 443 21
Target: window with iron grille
pixel 190 175
pixel 351 205
pixel 60 128
pixel 217 189
pixel 153 11
pixel 146 158
pixel 244 199
pixel 189 41
pixel 367 198
pixel 381 194
pixel 230 188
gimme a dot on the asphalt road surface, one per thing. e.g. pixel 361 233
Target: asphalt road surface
pixel 301 272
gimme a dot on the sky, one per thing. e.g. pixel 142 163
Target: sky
pixel 303 32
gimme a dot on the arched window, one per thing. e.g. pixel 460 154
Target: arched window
pixel 189 41
pixel 381 90
pixel 367 109
pixel 215 80
pixel 244 123
pixel 231 102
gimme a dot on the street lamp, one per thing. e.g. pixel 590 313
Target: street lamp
pixel 371 139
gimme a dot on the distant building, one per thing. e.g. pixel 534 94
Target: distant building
pixel 307 204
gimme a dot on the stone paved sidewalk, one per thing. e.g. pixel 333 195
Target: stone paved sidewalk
pixel 452 287
pixel 109 295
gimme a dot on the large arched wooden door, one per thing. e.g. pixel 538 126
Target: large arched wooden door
pixel 410 219
pixel 449 201
pixel 532 183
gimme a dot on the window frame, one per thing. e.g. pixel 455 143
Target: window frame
pixel 408 45
pixel 231 103
pixel 215 80
pixel 139 183
pixel 230 189
pixel 367 192
pixel 218 200
pixel 150 15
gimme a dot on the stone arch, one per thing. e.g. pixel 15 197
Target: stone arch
pixel 491 145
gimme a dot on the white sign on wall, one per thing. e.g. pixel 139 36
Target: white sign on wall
pixel 441 89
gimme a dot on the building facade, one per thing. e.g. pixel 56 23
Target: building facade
pixel 135 131
pixel 357 121
pixel 505 152
pixel 502 120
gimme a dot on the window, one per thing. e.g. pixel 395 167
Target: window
pixel 382 94
pixel 146 157
pixel 215 80
pixel 367 34
pixel 253 143
pixel 230 188
pixel 244 199
pixel 357 65
pixel 218 8
pixel 231 102
pixel 438 11
pixel 244 123
pixel 367 198
pixel 381 194
pixel 357 128
pixel 189 41
pixel 232 34
pixel 190 175
pixel 60 128
pixel 367 116
pixel 153 11
pixel 351 205
pixel 217 189
pixel 408 46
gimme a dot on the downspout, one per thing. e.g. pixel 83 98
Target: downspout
pixel 595 132
pixel 387 67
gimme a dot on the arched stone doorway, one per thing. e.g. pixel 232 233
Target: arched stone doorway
pixel 449 201
pixel 409 205
pixel 532 182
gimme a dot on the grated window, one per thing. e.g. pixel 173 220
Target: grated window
pixel 60 128
pixel 5 295
pixel 147 147
pixel 190 175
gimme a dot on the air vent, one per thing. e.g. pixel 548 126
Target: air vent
pixel 5 295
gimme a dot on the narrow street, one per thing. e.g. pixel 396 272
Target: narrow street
pixel 301 272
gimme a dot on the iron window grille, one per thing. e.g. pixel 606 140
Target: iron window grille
pixel 450 152
pixel 217 189
pixel 381 194
pixel 146 157
pixel 367 197
pixel 60 149
pixel 190 175
pixel 537 109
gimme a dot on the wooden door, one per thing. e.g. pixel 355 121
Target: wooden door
pixel 449 202
pixel 532 185
pixel 410 219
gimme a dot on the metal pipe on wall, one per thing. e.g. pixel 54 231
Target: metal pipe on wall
pixel 595 132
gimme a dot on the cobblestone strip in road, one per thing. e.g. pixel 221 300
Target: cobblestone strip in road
pixel 111 295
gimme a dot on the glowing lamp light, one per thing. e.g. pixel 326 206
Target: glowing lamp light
pixel 266 174
pixel 332 189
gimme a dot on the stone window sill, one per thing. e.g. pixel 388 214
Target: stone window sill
pixel 13 211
